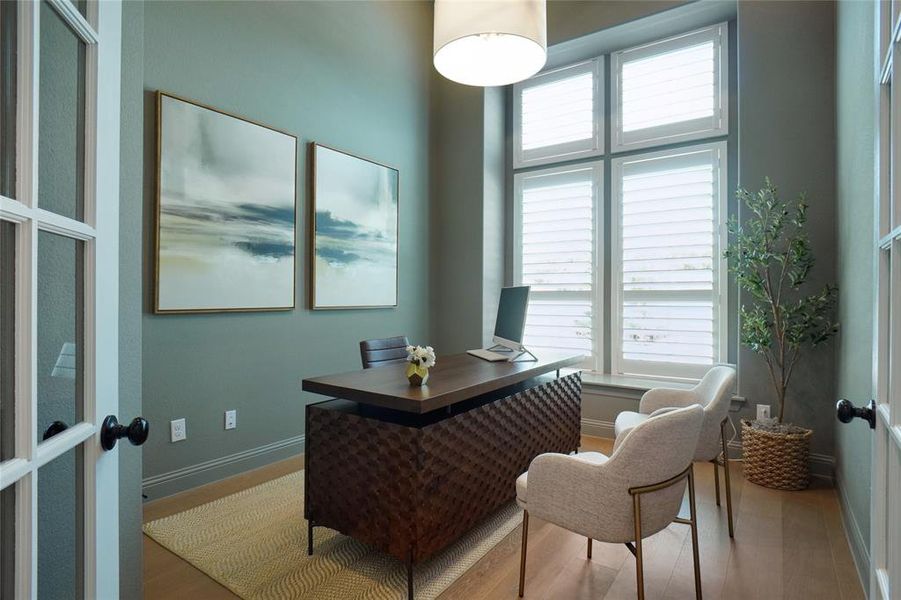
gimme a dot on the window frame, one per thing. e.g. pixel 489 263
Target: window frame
pixel 578 149
pixel 683 131
pixel 595 362
pixel 719 295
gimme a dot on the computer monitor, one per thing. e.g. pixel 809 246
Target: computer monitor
pixel 511 317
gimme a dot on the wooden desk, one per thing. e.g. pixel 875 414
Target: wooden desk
pixel 410 470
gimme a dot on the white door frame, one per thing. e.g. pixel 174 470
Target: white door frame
pixel 885 522
pixel 101 32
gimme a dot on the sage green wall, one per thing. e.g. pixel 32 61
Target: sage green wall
pixel 855 91
pixel 130 296
pixel 787 132
pixel 354 75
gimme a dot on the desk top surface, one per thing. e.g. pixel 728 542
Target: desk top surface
pixel 454 378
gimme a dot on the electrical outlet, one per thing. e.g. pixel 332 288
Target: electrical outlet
pixel 178 430
pixel 763 411
pixel 231 419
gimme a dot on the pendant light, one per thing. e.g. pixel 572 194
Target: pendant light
pixel 490 42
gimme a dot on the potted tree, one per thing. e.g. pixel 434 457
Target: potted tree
pixel 771 258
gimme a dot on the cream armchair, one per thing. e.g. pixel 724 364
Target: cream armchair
pixel 625 498
pixel 714 393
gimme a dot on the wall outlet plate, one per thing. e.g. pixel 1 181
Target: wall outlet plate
pixel 231 419
pixel 763 411
pixel 178 430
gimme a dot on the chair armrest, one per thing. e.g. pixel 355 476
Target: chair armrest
pixel 562 487
pixel 658 398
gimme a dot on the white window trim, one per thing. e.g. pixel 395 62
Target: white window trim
pixel 598 330
pixel 570 150
pixel 682 371
pixel 684 131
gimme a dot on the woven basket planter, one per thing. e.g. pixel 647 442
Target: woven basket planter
pixel 776 460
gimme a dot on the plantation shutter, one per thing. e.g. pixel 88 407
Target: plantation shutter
pixel 557 115
pixel 556 256
pixel 671 90
pixel 668 261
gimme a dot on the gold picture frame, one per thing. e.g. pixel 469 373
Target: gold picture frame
pixel 269 249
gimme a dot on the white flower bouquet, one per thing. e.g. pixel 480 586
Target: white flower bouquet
pixel 421 359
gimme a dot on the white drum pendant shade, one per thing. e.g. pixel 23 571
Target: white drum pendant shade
pixel 490 42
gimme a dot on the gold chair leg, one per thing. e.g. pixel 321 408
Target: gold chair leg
pixel 716 479
pixel 639 565
pixel 522 554
pixel 726 471
pixel 694 532
pixel 589 548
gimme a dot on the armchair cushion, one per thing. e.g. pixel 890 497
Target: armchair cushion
pixel 625 421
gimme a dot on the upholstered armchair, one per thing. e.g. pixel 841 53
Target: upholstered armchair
pixel 714 393
pixel 624 498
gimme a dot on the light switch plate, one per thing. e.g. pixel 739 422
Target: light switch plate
pixel 763 411
pixel 231 419
pixel 178 430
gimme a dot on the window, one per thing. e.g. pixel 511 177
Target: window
pixel 557 115
pixel 668 276
pixel 670 91
pixel 556 223
pixel 662 312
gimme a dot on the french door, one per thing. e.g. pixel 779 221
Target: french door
pixel 885 532
pixel 59 186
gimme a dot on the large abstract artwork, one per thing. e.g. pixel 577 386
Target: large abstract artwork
pixel 354 231
pixel 225 212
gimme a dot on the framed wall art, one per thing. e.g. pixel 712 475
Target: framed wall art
pixel 354 237
pixel 225 213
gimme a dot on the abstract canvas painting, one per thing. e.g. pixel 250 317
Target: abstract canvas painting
pixel 354 231
pixel 225 211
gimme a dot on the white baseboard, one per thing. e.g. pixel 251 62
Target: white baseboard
pixel 183 478
pixel 821 465
pixel 859 550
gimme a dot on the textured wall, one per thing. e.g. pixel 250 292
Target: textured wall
pixel 855 90
pixel 354 75
pixel 787 132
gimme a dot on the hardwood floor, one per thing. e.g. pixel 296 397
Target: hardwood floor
pixel 787 545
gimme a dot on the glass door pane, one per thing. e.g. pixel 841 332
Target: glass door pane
pixel 7 340
pixel 61 150
pixel 60 522
pixel 8 542
pixel 8 74
pixel 60 367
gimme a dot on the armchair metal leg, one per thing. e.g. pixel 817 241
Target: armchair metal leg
pixel 310 538
pixel 589 548
pixel 522 553
pixel 726 471
pixel 716 479
pixel 639 565
pixel 694 532
pixel 410 576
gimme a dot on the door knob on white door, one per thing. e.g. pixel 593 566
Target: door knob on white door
pixel 845 411
pixel 112 431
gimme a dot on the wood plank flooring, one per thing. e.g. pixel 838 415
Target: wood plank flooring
pixel 787 545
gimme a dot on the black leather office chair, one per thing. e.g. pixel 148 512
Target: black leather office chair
pixel 384 351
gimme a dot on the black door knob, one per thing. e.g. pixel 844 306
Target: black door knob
pixel 845 411
pixel 112 431
pixel 55 428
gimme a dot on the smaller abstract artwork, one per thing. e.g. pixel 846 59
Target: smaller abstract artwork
pixel 354 231
pixel 225 211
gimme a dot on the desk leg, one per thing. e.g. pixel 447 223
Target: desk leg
pixel 309 538
pixel 410 575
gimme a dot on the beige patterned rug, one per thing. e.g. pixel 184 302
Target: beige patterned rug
pixel 254 543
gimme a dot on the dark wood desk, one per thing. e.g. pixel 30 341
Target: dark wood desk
pixel 409 470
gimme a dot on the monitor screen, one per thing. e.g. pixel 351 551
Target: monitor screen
pixel 511 313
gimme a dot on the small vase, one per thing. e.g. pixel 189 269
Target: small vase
pixel 417 380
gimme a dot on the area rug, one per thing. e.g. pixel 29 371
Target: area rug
pixel 254 543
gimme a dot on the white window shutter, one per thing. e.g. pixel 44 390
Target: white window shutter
pixel 670 275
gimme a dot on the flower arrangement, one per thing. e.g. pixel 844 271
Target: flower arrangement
pixel 421 359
